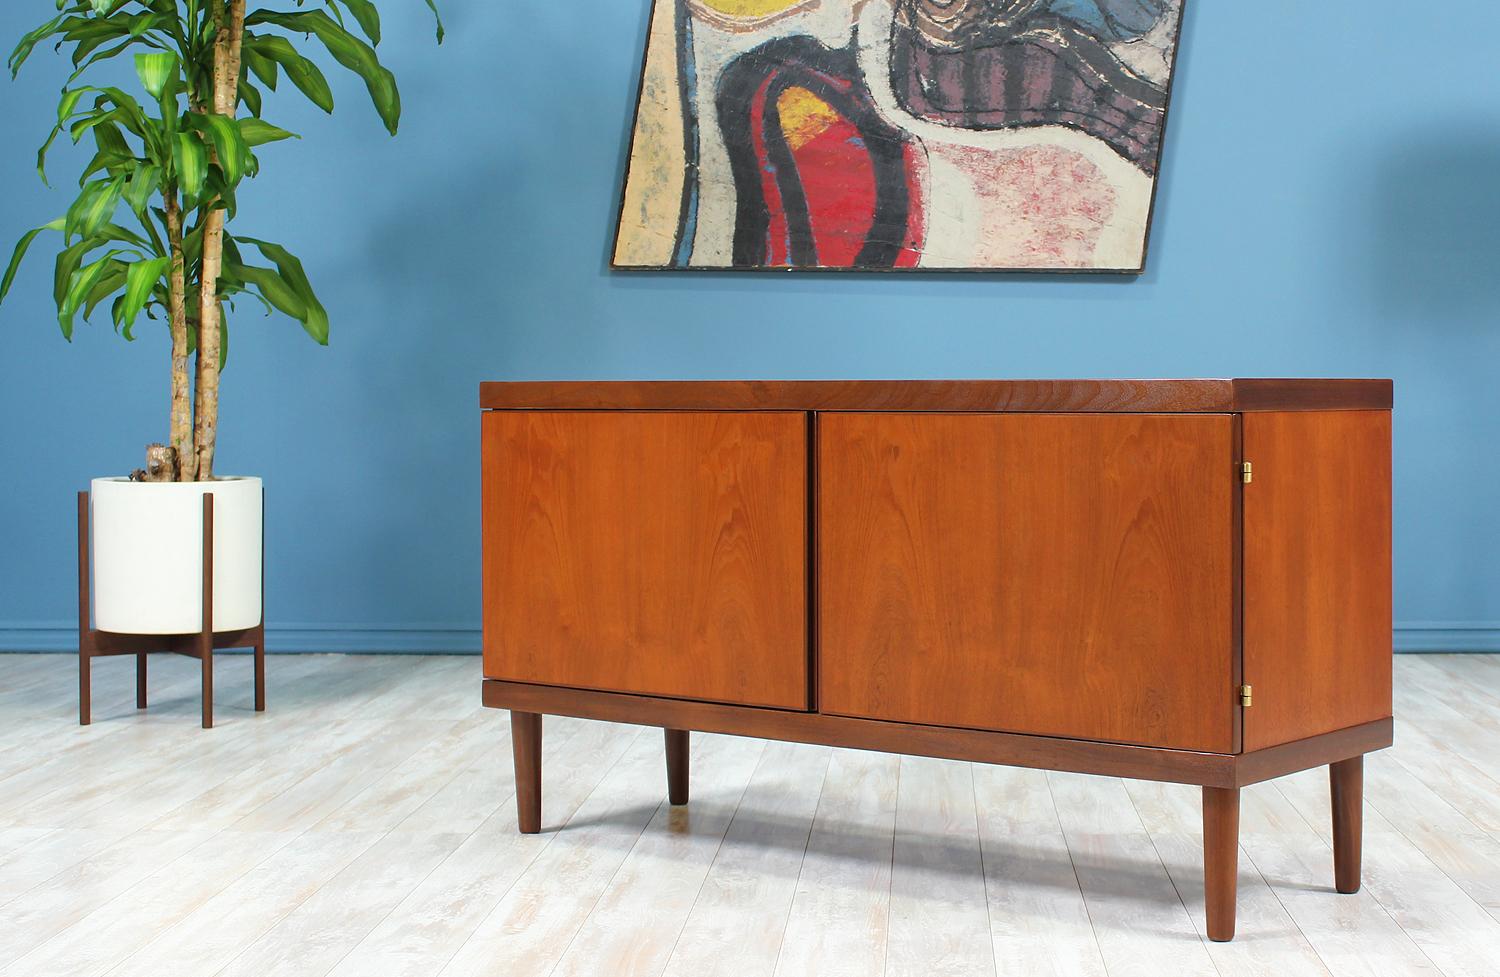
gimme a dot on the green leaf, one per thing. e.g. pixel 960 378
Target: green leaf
pixel 348 51
pixel 68 260
pixel 21 248
pixel 41 154
pixel 432 4
pixel 228 144
pixel 79 287
pixel 272 288
pixel 240 289
pixel 108 53
pixel 109 140
pixel 93 208
pixel 155 71
pixel 258 133
pixel 99 33
pixel 30 40
pixel 68 103
pixel 250 96
pixel 367 16
pixel 220 193
pixel 306 75
pixel 144 182
pixel 128 112
pixel 316 319
pixel 140 279
pixel 105 160
pixel 108 284
pixel 190 157
pixel 259 65
pixel 114 232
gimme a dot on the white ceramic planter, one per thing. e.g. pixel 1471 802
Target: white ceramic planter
pixel 148 555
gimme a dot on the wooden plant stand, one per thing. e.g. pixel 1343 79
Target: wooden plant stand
pixel 93 643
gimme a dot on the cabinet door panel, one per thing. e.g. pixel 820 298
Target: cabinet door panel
pixel 1068 575
pixel 656 553
pixel 1317 572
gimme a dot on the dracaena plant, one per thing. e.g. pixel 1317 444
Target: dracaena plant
pixel 147 231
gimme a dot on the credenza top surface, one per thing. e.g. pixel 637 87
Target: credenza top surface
pixel 1204 396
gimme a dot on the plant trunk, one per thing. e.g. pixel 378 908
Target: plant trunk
pixel 181 438
pixel 229 25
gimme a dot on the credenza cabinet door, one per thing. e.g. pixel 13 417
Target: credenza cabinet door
pixel 1059 574
pixel 654 553
pixel 1317 575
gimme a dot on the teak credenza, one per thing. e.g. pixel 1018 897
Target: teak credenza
pixel 1174 580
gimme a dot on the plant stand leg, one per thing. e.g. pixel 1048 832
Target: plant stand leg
pixel 1346 780
pixel 206 637
pixel 677 766
pixel 1221 851
pixel 83 688
pixel 260 675
pixel 208 688
pixel 526 743
pixel 85 636
pixel 140 681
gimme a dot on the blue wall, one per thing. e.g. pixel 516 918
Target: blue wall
pixel 1330 207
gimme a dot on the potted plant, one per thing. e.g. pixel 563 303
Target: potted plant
pixel 150 233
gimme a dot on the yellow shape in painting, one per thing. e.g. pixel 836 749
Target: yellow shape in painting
pixel 804 116
pixel 749 8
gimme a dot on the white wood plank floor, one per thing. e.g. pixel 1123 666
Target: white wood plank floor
pixel 364 827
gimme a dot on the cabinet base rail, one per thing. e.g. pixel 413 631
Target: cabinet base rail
pixel 1220 775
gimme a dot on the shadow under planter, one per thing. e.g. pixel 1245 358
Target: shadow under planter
pixel 94 643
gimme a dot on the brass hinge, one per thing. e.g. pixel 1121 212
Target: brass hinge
pixel 1246 472
pixel 1245 696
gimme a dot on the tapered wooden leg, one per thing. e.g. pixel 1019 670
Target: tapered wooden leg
pixel 526 743
pixel 1346 781
pixel 260 676
pixel 1221 851
pixel 84 704
pixel 140 681
pixel 677 765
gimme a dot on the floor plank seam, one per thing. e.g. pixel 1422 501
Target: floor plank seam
pixel 1363 889
pixel 890 882
pixel 1073 864
pixel 812 825
pixel 1421 850
pixel 708 871
pixel 603 774
pixel 1172 880
pixel 1426 783
pixel 984 875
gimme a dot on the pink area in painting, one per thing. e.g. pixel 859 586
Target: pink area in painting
pixel 1037 206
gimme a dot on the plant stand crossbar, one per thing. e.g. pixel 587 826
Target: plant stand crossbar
pixel 93 643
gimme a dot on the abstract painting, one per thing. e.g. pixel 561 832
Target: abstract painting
pixel 898 134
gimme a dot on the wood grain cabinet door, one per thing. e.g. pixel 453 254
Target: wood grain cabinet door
pixel 1059 574
pixel 654 553
pixel 1317 572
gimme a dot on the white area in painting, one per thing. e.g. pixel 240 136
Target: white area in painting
pixel 713 50
pixel 952 238
pixel 955 236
